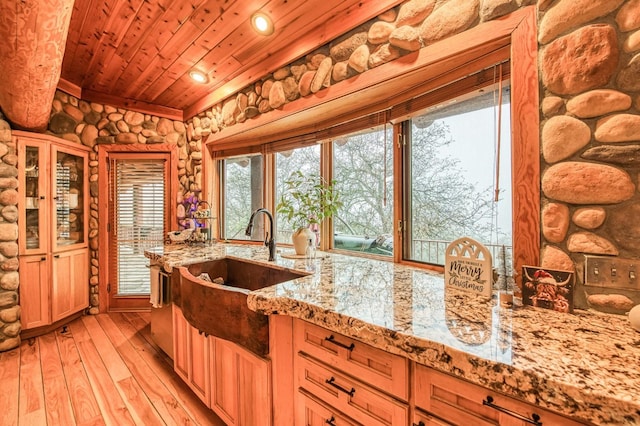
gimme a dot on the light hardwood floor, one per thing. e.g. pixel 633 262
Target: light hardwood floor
pixel 100 370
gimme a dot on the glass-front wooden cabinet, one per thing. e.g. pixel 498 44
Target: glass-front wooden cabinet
pixel 53 204
pixel 35 182
pixel 68 195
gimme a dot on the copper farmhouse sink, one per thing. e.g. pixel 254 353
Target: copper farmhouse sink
pixel 221 309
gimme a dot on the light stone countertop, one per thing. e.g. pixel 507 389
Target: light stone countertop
pixel 585 364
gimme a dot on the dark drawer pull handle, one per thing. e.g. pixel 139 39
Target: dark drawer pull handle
pixel 420 423
pixel 331 421
pixel 333 340
pixel 534 420
pixel 331 382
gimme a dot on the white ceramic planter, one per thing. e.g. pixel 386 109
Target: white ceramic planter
pixel 300 239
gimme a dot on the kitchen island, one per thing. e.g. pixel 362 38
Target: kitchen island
pixel 584 365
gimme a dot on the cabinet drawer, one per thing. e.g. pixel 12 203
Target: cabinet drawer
pixel 311 412
pixel 378 368
pixel 460 402
pixel 353 398
pixel 420 418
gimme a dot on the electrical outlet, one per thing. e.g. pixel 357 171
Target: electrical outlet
pixel 603 271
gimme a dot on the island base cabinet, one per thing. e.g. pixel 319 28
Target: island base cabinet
pixel 232 381
pixel 461 403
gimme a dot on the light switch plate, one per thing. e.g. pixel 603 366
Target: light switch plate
pixel 616 272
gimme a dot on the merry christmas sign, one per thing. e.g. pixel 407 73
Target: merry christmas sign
pixel 467 266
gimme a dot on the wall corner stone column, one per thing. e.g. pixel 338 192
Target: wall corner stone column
pixel 9 280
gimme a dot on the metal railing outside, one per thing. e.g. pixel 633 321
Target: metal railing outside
pixel 433 251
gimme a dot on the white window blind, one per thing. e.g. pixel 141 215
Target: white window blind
pixel 139 220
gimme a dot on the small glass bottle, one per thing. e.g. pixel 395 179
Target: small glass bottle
pixel 310 254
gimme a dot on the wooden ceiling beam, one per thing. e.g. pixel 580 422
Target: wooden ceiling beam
pixel 34 34
pixel 132 104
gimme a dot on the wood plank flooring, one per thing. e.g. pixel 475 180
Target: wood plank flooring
pixel 99 370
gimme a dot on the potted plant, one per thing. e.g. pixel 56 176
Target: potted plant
pixel 307 200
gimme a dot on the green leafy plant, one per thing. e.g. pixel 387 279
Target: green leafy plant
pixel 308 199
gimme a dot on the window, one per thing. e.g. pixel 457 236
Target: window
pixel 446 131
pixel 452 167
pixel 363 171
pixel 139 216
pixel 242 194
pixel 307 160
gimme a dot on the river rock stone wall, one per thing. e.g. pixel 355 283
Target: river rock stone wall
pixel 395 33
pixel 9 279
pixel 589 59
pixel 94 124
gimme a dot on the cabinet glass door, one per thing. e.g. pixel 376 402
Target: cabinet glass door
pixel 34 198
pixel 69 195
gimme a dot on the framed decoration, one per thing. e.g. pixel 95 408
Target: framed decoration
pixel 547 288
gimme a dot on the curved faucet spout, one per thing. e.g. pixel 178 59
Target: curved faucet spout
pixel 269 240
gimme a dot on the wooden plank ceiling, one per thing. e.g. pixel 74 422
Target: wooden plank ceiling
pixel 142 50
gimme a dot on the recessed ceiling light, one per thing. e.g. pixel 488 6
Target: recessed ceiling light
pixel 198 76
pixel 262 23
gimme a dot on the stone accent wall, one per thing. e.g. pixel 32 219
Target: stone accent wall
pixel 590 138
pixel 9 279
pixel 93 124
pixel 408 27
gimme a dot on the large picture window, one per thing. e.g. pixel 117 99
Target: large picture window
pixel 363 171
pixel 242 182
pixel 306 160
pixel 454 170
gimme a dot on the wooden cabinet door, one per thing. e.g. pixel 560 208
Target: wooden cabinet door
pixel 35 200
pixel 70 284
pixel 180 344
pixel 199 364
pixel 254 382
pixel 240 385
pixel 224 380
pixel 34 291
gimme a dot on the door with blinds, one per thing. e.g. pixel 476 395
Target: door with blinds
pixel 138 212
